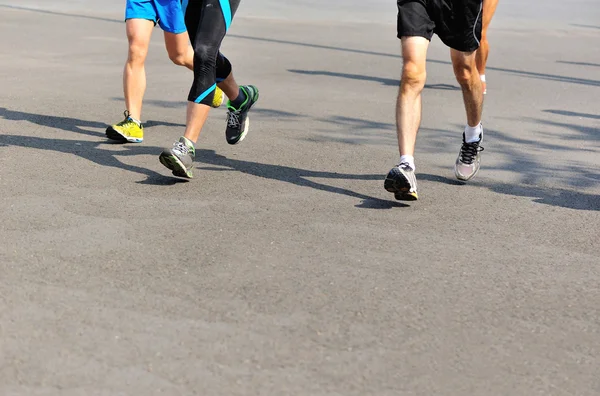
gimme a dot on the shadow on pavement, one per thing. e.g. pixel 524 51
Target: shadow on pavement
pixel 361 77
pixel 440 179
pixel 548 196
pixel 67 123
pixel 89 150
pixel 94 152
pixel 579 63
pixel 582 133
pixel 573 114
pixel 376 203
pixel 585 26
pixel 64 123
pixel 298 177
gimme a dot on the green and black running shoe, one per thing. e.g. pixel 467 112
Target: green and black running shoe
pixel 238 121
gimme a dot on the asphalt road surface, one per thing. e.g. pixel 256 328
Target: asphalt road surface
pixel 284 268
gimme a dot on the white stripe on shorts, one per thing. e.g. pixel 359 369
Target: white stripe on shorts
pixel 475 25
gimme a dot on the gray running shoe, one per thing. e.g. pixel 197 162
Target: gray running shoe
pixel 402 182
pixel 179 158
pixel 469 159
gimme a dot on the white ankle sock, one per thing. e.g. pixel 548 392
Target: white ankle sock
pixel 409 159
pixel 472 133
pixel 136 121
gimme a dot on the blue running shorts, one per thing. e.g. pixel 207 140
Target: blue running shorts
pixel 169 14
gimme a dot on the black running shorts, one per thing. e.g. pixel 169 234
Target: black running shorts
pixel 456 22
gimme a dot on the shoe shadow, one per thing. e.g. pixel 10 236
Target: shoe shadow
pixel 376 203
pixel 440 179
pixel 157 179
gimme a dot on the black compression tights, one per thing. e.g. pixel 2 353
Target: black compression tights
pixel 207 22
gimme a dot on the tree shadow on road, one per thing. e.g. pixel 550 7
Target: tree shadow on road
pixel 98 152
pixel 67 123
pixel 573 114
pixel 64 123
pixel 548 196
pixel 569 199
pixel 518 155
pixel 93 152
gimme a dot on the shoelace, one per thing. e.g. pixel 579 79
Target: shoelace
pixel 404 165
pixel 181 147
pixel 127 119
pixel 233 119
pixel 469 151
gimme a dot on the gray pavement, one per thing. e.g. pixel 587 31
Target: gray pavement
pixel 284 268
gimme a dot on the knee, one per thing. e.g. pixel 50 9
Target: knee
pixel 137 52
pixel 413 76
pixel 205 53
pixel 464 73
pixel 178 58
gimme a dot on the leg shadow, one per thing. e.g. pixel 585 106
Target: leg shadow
pixel 294 176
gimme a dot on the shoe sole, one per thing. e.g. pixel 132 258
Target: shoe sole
pixel 400 189
pixel 117 136
pixel 174 164
pixel 247 127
